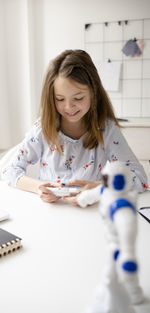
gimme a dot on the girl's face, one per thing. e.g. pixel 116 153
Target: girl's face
pixel 72 99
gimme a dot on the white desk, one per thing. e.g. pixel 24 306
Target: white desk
pixel 63 254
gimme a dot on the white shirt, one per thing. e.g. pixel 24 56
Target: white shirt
pixel 76 161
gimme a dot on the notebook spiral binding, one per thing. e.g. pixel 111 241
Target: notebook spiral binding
pixel 10 247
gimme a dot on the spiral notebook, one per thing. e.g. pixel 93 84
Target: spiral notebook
pixel 8 242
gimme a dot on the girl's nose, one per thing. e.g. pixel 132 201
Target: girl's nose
pixel 68 104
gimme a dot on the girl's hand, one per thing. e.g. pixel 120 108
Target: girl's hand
pixel 72 200
pixel 45 194
pixel 85 184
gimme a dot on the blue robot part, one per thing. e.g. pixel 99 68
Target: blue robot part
pixel 119 182
pixel 120 204
pixel 116 254
pixel 102 189
pixel 130 266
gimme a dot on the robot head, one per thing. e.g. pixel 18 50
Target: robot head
pixel 116 176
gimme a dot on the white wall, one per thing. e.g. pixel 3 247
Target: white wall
pixel 64 22
pixel 15 101
pixel 32 32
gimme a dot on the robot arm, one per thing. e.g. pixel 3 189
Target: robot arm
pixel 89 196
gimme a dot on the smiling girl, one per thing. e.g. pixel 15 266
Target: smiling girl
pixel 76 134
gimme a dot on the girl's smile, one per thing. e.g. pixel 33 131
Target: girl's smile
pixel 73 114
pixel 72 99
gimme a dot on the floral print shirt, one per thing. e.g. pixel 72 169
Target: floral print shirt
pixel 76 162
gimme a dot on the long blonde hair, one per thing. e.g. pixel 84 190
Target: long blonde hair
pixel 77 65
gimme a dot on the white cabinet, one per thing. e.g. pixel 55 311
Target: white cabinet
pixel 146 165
pixel 137 134
pixel 139 140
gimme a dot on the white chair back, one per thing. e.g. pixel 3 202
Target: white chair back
pixel 32 170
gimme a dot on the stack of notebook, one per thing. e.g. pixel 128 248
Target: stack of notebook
pixel 8 242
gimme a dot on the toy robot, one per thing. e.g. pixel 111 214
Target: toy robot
pixel 119 288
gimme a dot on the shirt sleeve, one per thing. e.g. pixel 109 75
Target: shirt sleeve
pixel 29 152
pixel 117 149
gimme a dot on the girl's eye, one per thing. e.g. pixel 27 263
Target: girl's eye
pixel 79 99
pixel 59 99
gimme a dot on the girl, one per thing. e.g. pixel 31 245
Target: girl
pixel 76 134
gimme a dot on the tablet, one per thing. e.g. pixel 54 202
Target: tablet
pixel 145 212
pixel 65 190
pixel 4 215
